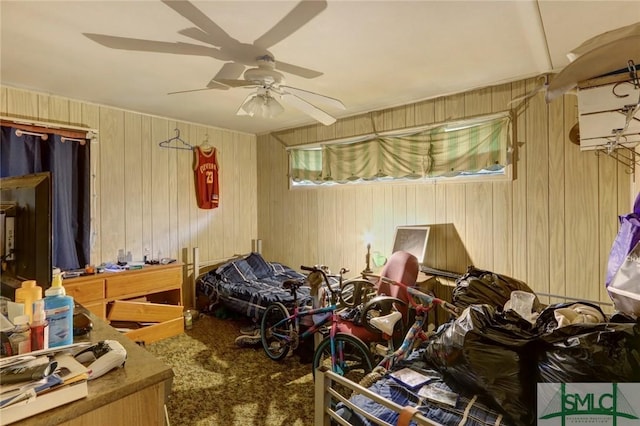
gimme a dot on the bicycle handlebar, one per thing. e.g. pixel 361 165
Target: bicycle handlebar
pixel 325 276
pixel 428 300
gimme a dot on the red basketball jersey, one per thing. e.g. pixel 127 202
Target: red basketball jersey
pixel 206 178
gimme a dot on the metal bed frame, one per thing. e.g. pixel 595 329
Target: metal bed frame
pixel 324 414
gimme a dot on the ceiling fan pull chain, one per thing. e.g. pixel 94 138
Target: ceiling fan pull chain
pixel 631 66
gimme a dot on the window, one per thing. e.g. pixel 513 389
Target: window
pixel 474 147
pixel 27 149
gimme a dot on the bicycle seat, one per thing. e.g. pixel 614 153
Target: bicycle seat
pixel 386 323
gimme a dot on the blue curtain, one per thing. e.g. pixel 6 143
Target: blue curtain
pixel 69 165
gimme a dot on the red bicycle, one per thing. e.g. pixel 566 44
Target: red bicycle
pixel 422 303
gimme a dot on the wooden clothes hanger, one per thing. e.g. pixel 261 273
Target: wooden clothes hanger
pixel 182 145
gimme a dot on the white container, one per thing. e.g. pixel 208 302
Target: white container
pixel 522 303
pixel 20 339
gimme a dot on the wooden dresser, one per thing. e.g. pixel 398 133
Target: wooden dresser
pixel 157 284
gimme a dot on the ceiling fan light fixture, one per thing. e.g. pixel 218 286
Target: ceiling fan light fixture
pixel 271 108
pixel 262 105
pixel 253 106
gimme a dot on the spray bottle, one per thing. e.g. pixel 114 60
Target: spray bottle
pixel 39 327
pixel 59 313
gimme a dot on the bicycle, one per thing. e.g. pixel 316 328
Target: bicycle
pixel 415 334
pixel 280 331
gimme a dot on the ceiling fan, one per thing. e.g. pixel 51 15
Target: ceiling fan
pixel 270 88
pixel 237 55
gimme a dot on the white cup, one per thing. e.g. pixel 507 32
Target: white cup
pixel 522 303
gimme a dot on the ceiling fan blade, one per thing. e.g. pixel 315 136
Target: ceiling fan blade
pixel 218 36
pixel 210 86
pixel 302 13
pixel 314 97
pixel 126 43
pixel 311 110
pixel 235 83
pixel 188 91
pixel 296 70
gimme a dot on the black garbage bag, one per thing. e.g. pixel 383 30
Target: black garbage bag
pixel 489 353
pixel 621 317
pixel 547 322
pixel 477 287
pixel 604 352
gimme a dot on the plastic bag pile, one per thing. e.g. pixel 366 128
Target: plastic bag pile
pixel 497 354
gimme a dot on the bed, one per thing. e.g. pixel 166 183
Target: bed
pixel 488 364
pixel 247 285
pixel 390 401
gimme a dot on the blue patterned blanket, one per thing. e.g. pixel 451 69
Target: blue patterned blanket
pixel 248 285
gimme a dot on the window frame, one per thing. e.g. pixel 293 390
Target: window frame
pixel 505 151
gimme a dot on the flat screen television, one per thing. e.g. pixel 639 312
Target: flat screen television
pixel 26 229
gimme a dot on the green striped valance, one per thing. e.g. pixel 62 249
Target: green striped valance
pixel 306 164
pixel 464 147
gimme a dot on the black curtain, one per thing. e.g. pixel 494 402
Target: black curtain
pixel 69 165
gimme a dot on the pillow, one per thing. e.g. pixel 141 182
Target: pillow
pixel 261 267
pixel 238 270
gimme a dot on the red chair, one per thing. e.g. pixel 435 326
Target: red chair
pixel 401 266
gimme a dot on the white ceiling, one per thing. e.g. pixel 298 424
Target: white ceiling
pixel 373 54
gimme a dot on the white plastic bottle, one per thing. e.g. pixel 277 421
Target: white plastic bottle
pixel 59 313
pixel 20 339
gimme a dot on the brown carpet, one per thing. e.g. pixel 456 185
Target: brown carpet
pixel 218 383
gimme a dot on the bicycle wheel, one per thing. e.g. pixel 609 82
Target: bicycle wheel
pixel 276 332
pixel 353 359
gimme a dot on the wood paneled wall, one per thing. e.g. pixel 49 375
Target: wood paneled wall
pixel 144 194
pixel 552 226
